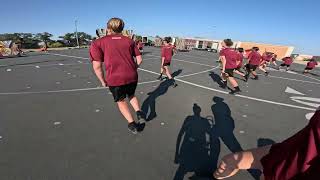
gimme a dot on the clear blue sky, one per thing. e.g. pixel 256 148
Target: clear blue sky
pixel 288 22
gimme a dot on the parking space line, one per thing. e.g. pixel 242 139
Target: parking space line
pixel 67 90
pixel 187 75
pixel 225 92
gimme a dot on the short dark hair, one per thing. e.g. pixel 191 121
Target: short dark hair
pixel 228 42
pixel 168 39
pixel 240 50
pixel 255 48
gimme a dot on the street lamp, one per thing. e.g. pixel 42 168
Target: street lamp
pixel 76 25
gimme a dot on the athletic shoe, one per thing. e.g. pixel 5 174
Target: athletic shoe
pixel 141 116
pixel 266 73
pixel 236 91
pixel 160 78
pixel 256 78
pixel 133 128
pixel 174 84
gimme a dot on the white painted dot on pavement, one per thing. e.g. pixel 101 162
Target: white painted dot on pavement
pixel 74 75
pixel 9 70
pixel 309 116
pixel 57 123
pixel 97 110
pixel 310 90
pixel 61 64
pixel 162 124
pixel 37 66
pixel 244 116
pixel 154 86
pixel 28 87
pixel 0 137
pixel 58 82
pixel 141 92
pixel 241 132
pixel 88 82
pixel 80 62
pixel 69 73
pixel 246 105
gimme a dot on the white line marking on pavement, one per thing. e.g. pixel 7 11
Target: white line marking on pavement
pixel 66 90
pixel 292 91
pixel 293 79
pixel 242 96
pixel 309 115
pixel 187 75
pixel 67 56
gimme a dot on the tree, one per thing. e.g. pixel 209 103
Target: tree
pixel 83 37
pixel 44 37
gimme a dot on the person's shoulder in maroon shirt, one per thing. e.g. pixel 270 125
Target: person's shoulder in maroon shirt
pixel 254 57
pixel 287 60
pixel 312 64
pixel 117 52
pixel 231 56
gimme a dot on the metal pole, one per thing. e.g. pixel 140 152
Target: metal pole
pixel 76 24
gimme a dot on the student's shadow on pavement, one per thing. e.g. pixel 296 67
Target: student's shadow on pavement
pixel 149 105
pixel 197 147
pixel 200 148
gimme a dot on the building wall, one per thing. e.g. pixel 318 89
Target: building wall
pixel 281 51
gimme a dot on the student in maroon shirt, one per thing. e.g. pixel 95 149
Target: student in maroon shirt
pixel 310 65
pixel 239 62
pixel 139 45
pixel 229 58
pixel 166 56
pixel 296 158
pixel 263 63
pixel 254 59
pixel 274 59
pixel 117 52
pixel 287 61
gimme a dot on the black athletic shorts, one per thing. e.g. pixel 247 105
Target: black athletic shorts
pixel 251 67
pixel 167 64
pixel 308 68
pixel 288 65
pixel 229 72
pixel 121 92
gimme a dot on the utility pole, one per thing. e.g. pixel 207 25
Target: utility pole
pixel 76 24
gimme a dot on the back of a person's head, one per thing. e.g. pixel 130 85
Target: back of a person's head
pixel 168 39
pixel 115 25
pixel 241 50
pixel 228 42
pixel 255 48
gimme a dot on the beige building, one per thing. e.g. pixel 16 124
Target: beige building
pixel 281 51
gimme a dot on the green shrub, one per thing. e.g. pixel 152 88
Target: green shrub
pixel 55 45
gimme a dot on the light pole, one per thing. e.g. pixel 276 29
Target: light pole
pixel 76 24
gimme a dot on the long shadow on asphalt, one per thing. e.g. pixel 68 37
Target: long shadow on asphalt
pixel 199 150
pixel 149 105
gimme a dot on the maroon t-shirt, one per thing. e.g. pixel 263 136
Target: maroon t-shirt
pixel 167 52
pixel 231 56
pixel 117 52
pixel 254 58
pixel 287 60
pixel 312 64
pixel 297 158
pixel 267 57
pixel 240 60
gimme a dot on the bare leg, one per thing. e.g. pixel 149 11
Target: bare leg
pixel 125 111
pixel 233 82
pixel 240 73
pixel 262 69
pixel 167 71
pixel 232 163
pixel 135 103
